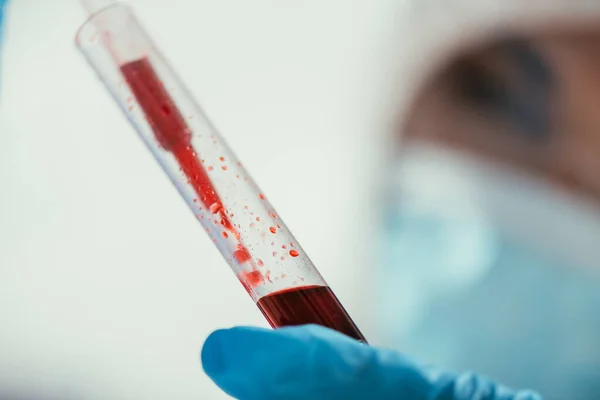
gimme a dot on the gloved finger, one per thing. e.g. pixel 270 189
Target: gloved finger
pixel 308 362
pixel 311 362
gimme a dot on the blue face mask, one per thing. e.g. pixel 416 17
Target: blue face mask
pixel 464 293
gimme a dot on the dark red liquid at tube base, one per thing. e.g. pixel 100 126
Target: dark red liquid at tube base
pixel 308 305
pixel 297 306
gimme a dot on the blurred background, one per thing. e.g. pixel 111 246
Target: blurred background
pixel 108 285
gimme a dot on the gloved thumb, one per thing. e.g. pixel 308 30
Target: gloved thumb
pixel 312 362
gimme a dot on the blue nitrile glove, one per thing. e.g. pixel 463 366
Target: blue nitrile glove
pixel 312 362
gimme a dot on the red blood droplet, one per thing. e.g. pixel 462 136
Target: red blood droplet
pixel 258 218
pixel 224 167
pixel 272 229
pixel 282 258
pixel 262 196
pixel 215 207
pixel 225 235
pixel 279 226
pixel 294 253
pixel 253 278
pixel 283 246
pixel 241 255
pixel 273 215
pixel 291 244
pixel 259 262
pixel 210 168
pixel 222 158
pixel 274 254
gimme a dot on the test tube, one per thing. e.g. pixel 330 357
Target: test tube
pixel 238 217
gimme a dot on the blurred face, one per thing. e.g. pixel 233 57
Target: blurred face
pixel 491 236
pixel 530 101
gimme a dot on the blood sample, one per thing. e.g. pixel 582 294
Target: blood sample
pixel 238 217
pixel 308 305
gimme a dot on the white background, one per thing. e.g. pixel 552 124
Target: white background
pixel 108 286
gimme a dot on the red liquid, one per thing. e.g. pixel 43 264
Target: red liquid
pixel 173 134
pixel 308 305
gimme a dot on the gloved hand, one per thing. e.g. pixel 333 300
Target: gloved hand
pixel 312 362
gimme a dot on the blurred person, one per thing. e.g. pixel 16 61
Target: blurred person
pixel 490 234
pixel 491 227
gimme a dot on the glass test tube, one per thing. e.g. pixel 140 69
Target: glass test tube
pixel 251 236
